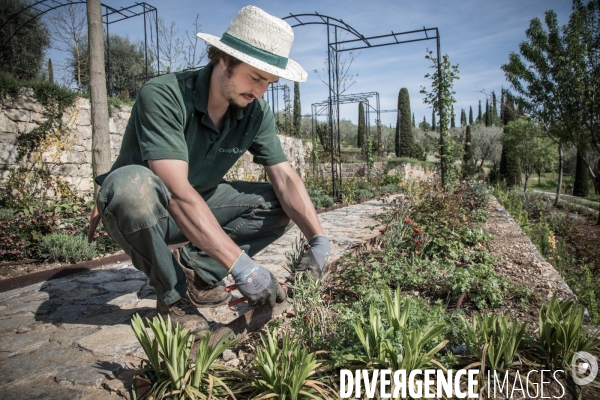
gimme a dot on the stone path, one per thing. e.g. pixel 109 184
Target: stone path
pixel 70 338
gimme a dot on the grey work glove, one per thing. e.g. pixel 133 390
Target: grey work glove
pixel 257 284
pixel 315 258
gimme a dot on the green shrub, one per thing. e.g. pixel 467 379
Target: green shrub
pixel 362 194
pixel 66 248
pixel 6 214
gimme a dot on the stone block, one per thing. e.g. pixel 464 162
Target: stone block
pixel 37 117
pixel 26 127
pixel 8 154
pixel 84 132
pixel 116 340
pixel 83 103
pixel 40 391
pixel 18 343
pixel 75 157
pixel 18 115
pixel 83 118
pixel 39 363
pixel 120 124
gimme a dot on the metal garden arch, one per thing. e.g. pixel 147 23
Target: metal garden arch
pixel 44 6
pixel 358 42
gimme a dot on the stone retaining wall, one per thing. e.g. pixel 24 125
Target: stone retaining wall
pixel 71 158
pixel 408 171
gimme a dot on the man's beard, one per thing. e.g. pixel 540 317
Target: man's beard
pixel 235 106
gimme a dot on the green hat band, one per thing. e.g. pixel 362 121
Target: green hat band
pixel 252 51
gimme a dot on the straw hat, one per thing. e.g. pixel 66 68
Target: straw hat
pixel 260 40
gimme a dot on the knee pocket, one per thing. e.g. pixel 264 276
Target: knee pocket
pixel 135 197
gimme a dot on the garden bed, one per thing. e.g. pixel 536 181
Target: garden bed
pixel 449 271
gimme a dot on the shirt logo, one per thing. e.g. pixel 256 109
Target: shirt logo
pixel 235 150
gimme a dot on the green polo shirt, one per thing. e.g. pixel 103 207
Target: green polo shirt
pixel 169 120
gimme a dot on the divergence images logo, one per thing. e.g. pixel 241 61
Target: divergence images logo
pixel 583 363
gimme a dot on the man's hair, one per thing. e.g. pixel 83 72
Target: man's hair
pixel 215 55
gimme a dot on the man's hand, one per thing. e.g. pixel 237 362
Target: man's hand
pixel 94 220
pixel 315 258
pixel 255 283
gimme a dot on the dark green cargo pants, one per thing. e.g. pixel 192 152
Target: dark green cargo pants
pixel 133 205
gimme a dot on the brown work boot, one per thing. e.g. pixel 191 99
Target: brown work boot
pixel 184 312
pixel 200 293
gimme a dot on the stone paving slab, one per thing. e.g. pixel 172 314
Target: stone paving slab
pixel 70 338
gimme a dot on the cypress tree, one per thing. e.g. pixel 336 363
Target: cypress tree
pixel 463 117
pixel 433 124
pixel 50 71
pixel 502 106
pixel 494 109
pixel 452 117
pixel 413 121
pixel 398 135
pixel 488 114
pixel 468 167
pixel 361 126
pixel 297 114
pixel 510 166
pixel 480 115
pixel 471 115
pixel 581 185
pixel 406 137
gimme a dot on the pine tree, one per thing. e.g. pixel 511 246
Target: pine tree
pixel 360 141
pixel 405 139
pixel 433 124
pixel 463 117
pixel 468 166
pixel 581 185
pixel 452 117
pixel 50 71
pixel 471 115
pixel 480 115
pixel 297 113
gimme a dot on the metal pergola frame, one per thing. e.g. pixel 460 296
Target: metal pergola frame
pixel 335 46
pixel 322 108
pixel 273 93
pixel 44 6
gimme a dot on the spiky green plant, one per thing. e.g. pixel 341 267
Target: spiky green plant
pixel 171 372
pixel 397 346
pixel 287 372
pixel 494 340
pixel 562 334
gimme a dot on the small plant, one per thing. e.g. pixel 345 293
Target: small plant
pixel 494 340
pixel 169 369
pixel 66 248
pixel 287 372
pixel 395 347
pixel 314 323
pixel 561 334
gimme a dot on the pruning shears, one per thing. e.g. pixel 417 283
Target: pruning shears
pixel 242 299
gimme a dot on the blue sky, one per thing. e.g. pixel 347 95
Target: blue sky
pixel 476 35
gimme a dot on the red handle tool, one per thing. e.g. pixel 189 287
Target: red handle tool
pixel 242 299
